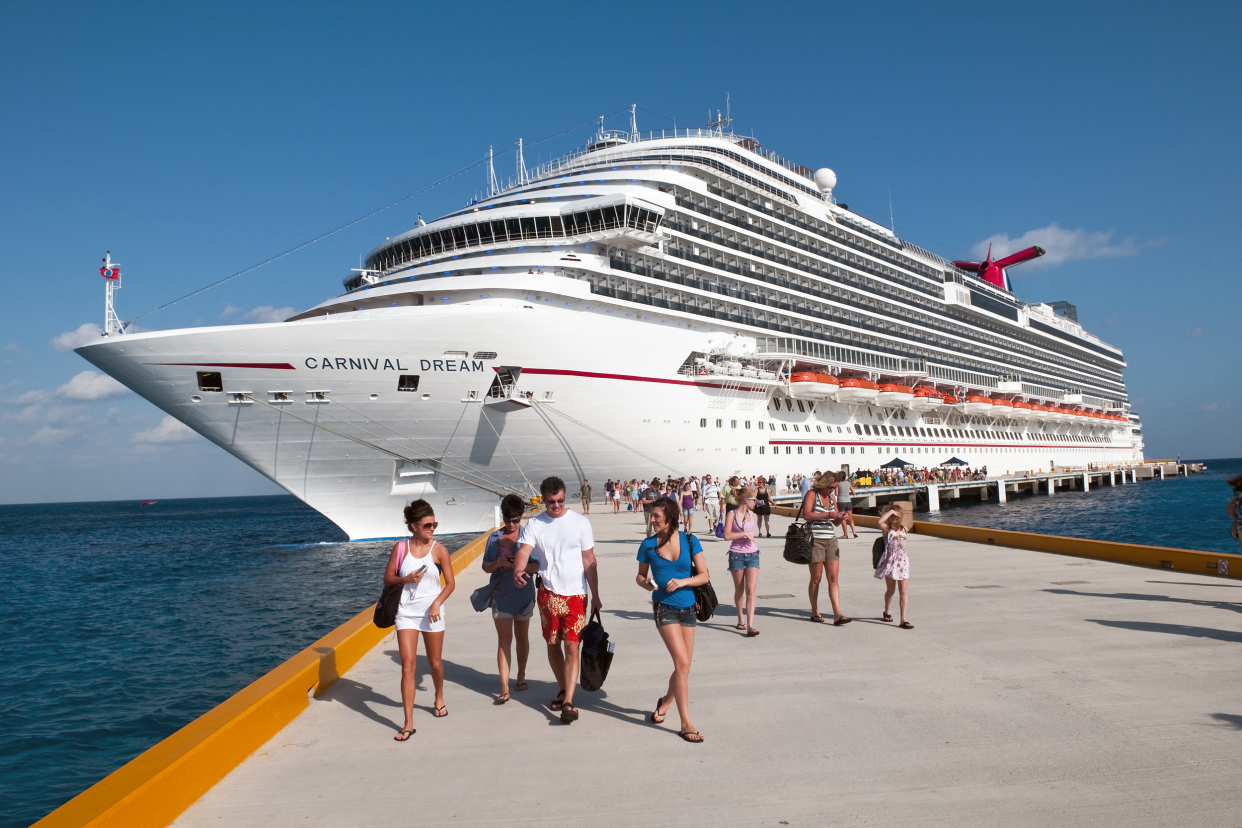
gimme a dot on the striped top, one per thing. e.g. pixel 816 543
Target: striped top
pixel 821 528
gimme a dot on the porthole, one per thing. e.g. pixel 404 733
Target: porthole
pixel 375 396
pixel 196 398
pixel 426 396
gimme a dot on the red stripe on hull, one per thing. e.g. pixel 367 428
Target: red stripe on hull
pixel 275 366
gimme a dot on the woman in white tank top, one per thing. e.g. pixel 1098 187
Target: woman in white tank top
pixel 419 563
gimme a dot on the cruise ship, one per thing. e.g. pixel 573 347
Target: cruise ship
pixel 677 302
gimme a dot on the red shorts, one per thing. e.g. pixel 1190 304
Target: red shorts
pixel 561 616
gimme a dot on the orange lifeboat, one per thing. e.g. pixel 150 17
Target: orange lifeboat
pixel 976 404
pixel 926 399
pixel 857 390
pixel 1001 408
pixel 1021 411
pixel 893 394
pixel 1040 412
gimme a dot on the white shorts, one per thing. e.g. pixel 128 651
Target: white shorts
pixel 418 617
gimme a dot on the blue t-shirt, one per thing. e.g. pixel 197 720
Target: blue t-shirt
pixel 663 571
pixel 508 597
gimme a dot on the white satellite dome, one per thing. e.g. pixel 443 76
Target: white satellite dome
pixel 825 179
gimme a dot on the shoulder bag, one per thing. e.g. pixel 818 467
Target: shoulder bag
pixel 597 654
pixel 390 599
pixel 705 601
pixel 798 541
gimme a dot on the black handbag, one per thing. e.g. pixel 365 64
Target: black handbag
pixel 705 601
pixel 798 542
pixel 389 601
pixel 596 654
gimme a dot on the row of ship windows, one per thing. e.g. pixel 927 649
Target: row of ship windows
pixel 865 430
pixel 623 290
pixel 740 290
pixel 678 222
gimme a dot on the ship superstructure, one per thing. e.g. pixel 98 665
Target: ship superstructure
pixel 679 302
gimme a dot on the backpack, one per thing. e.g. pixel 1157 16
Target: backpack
pixel 596 654
pixel 877 552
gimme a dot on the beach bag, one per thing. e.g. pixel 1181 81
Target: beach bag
pixel 629 507
pixel 877 552
pixel 596 654
pixel 389 601
pixel 705 600
pixel 720 529
pixel 798 541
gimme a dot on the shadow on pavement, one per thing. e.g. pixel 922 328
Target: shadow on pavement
pixel 1171 629
pixel 1234 606
pixel 1230 720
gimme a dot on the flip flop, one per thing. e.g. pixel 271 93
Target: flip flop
pixel 656 712
pixel 404 736
pixel 556 703
pixel 689 735
pixel 569 713
pixel 520 686
pixel 501 699
pixel 906 625
pixel 818 619
pixel 844 619
pixel 440 712
pixel 886 617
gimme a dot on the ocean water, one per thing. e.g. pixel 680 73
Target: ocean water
pixel 1182 512
pixel 121 624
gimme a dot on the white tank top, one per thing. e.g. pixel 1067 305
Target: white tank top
pixel 426 590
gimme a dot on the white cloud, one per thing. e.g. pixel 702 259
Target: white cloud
pixel 12 346
pixel 1061 245
pixel 31 397
pixel 266 313
pixel 1195 333
pixel 48 436
pixel 229 312
pixel 1213 407
pixel 86 333
pixel 90 385
pixel 170 430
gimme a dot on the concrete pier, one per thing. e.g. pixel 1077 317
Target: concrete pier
pixel 1034 690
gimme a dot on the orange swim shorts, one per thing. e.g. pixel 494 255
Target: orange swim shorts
pixel 561 616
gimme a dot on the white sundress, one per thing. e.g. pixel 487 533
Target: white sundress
pixel 414 611
pixel 894 563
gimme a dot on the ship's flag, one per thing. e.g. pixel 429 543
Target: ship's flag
pixel 110 272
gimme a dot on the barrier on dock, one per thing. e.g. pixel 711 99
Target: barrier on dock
pixel 155 787
pixel 1156 557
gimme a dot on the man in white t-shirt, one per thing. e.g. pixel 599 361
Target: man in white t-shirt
pixel 711 501
pixel 565 546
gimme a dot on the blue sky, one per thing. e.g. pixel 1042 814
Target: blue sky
pixel 193 142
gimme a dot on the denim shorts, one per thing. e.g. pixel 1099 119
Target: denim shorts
pixel 743 560
pixel 665 615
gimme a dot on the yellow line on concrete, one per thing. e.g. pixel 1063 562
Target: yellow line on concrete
pixel 155 787
pixel 1156 557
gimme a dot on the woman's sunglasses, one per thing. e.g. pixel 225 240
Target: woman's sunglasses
pixel 431 526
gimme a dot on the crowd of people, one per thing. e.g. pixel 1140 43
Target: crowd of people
pixel 902 477
pixel 548 566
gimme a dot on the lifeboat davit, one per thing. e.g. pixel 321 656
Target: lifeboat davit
pixel 1021 411
pixel 926 399
pixel 857 390
pixel 806 385
pixel 893 394
pixel 976 404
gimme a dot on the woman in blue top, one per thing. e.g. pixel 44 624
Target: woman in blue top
pixel 512 606
pixel 664 567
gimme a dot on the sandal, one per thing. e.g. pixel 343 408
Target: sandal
pixel 844 619
pixel 886 617
pixel 556 703
pixel 818 619
pixel 440 712
pixel 520 686
pixel 751 633
pixel 906 625
pixel 404 736
pixel 739 626
pixel 689 736
pixel 569 713
pixel 656 716
pixel 501 699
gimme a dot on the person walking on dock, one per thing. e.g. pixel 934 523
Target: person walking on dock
pixel 743 558
pixel 763 508
pixel 650 495
pixel 825 554
pixel 586 497
pixel 845 503
pixel 565 546
pixel 894 566
pixel 712 503
pixel 687 506
pixel 665 568
pixel 512 606
pixel 418 563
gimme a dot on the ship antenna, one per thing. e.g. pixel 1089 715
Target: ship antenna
pixel 721 120
pixel 892 225
pixel 633 122
pixel 521 165
pixel 112 282
pixel 492 186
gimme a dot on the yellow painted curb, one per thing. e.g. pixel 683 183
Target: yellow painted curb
pixel 1156 557
pixel 155 787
